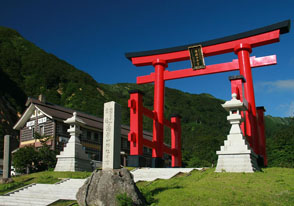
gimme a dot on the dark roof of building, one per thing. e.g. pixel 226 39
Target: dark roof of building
pixel 62 113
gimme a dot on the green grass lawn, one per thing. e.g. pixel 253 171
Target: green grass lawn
pixel 64 203
pixel 273 186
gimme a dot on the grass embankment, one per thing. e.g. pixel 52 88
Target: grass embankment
pixel 48 177
pixel 273 186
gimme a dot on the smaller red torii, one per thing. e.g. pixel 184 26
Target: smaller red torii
pixel 135 137
pixel 241 44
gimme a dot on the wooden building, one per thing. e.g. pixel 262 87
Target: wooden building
pixel 48 119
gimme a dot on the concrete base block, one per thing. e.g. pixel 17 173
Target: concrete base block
pixel 73 158
pixel 236 155
pixel 72 164
pixel 237 163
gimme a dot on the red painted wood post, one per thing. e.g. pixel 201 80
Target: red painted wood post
pixel 176 141
pixel 243 51
pixel 135 135
pixel 237 88
pixel 261 129
pixel 158 131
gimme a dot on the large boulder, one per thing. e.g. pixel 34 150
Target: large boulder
pixel 103 187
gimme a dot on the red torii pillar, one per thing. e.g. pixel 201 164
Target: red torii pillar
pixel 261 130
pixel 158 126
pixel 243 51
pixel 237 88
pixel 135 137
pixel 176 141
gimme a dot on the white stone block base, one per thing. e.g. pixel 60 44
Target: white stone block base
pixel 237 163
pixel 72 164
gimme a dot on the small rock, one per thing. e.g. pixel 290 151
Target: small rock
pixel 102 188
pixel 6 180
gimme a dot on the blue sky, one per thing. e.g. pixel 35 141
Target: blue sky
pixel 94 36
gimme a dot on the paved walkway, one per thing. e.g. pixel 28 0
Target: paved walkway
pixel 45 194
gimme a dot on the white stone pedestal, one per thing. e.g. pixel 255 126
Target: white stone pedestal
pixel 73 157
pixel 236 154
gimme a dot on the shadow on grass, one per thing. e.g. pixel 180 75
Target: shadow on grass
pixel 64 203
pixel 149 195
pixel 28 179
pixel 161 189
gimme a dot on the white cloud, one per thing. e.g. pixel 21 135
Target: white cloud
pixel 277 85
pixel 286 109
pixel 281 84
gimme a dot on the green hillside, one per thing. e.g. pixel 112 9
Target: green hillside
pixel 273 186
pixel 26 70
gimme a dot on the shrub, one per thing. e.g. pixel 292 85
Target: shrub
pixel 124 200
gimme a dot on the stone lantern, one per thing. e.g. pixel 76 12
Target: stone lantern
pixel 73 157
pixel 74 130
pixel 236 154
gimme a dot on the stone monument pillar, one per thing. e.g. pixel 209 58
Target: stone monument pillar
pixel 236 154
pixel 7 157
pixel 111 136
pixel 73 157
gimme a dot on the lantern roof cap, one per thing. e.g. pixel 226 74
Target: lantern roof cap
pixel 234 104
pixel 74 119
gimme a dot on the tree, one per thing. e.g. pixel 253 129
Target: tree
pixel 280 148
pixel 31 159
pixel 47 157
pixel 26 160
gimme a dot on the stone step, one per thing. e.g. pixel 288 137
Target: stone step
pixel 9 203
pixel 151 174
pixel 45 196
pixel 53 189
pixel 23 201
pixel 46 193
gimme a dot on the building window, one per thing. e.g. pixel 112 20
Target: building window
pixel 42 130
pixel 88 135
pixel 34 114
pixel 64 128
pixel 100 138
pixel 145 151
pixel 124 144
pixel 96 136
pixel 33 132
pixel 39 113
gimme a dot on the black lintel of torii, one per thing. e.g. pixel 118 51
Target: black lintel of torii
pixel 283 26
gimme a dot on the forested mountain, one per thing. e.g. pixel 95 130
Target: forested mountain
pixel 26 70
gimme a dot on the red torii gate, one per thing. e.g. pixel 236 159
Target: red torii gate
pixel 241 44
